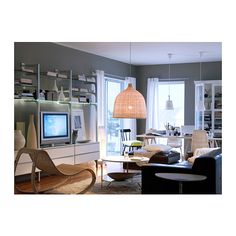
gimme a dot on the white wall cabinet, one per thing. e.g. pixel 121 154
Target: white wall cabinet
pixel 208 106
pixel 70 154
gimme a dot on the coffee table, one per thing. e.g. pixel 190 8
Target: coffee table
pixel 181 177
pixel 121 176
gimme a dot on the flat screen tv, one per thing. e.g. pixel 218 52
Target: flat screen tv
pixel 55 127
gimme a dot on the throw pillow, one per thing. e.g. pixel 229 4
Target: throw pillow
pixel 200 151
pixel 157 148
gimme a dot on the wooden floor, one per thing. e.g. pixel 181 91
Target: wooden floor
pixel 48 182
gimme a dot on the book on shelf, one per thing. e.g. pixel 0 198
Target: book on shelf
pixel 25 81
pixel 75 89
pixel 84 90
pixel 73 99
pixel 26 94
pixel 27 98
pixel 51 73
pixel 82 99
pixel 62 76
pixel 27 69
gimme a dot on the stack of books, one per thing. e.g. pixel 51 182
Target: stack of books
pixel 91 79
pixel 25 81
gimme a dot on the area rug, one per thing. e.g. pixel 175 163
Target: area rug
pixel 129 186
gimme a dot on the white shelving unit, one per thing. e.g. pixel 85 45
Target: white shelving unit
pixel 208 106
pixel 26 104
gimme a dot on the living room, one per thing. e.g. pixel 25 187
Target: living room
pixel 180 65
pixel 151 21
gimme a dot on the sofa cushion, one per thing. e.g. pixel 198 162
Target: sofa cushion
pixel 157 148
pixel 200 152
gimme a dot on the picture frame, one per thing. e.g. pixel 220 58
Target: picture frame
pixel 77 118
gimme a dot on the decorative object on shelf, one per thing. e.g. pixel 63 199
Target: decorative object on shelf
pixel 52 96
pixel 82 99
pixel 61 96
pixel 74 135
pixel 129 103
pixel 206 94
pixel 169 103
pixel 78 124
pixel 26 68
pixel 31 134
pixel 54 88
pixel 19 140
pixel 81 77
pixel 91 79
pixel 21 126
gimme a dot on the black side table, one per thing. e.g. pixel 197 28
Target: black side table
pixel 181 178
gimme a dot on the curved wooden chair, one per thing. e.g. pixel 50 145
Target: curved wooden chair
pixel 61 174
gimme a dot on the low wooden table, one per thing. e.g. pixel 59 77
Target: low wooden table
pixel 120 176
pixel 181 177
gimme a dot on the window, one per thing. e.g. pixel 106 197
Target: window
pixel 174 117
pixel 113 125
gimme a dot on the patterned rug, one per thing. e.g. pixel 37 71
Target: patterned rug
pixel 129 186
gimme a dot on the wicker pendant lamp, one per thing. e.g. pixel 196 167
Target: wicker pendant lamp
pixel 129 103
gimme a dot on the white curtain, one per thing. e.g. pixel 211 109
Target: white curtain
pixel 130 123
pixel 101 111
pixel 152 103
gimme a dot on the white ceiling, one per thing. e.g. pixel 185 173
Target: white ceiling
pixel 151 53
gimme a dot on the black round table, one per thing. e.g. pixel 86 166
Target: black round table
pixel 181 177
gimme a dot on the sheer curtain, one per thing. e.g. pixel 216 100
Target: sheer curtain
pixel 152 103
pixel 130 123
pixel 101 111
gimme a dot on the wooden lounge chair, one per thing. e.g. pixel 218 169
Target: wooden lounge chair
pixel 60 175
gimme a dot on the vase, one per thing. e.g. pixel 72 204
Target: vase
pixel 61 96
pixel 54 87
pixel 31 134
pixel 19 140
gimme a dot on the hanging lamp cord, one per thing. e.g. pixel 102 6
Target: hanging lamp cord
pixel 130 59
pixel 169 55
pixel 200 53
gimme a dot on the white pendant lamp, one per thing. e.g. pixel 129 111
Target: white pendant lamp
pixel 169 103
pixel 129 103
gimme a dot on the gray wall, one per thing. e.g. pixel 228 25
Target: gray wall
pixel 189 71
pixel 53 56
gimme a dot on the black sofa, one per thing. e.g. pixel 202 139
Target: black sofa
pixel 209 164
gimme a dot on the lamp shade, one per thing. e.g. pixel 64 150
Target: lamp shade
pixel 129 104
pixel 169 104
